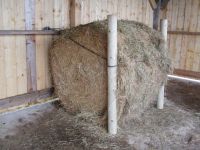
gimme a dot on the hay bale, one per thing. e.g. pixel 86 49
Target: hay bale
pixel 78 65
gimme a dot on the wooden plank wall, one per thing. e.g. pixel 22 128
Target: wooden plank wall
pixel 93 10
pixel 13 50
pixel 55 14
pixel 184 15
pixel 13 76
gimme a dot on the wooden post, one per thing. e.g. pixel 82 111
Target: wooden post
pixel 30 46
pixel 156 15
pixel 163 28
pixel 75 13
pixel 112 74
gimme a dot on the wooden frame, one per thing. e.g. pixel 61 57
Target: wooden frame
pixel 24 100
pixel 184 32
pixel 28 32
pixel 187 73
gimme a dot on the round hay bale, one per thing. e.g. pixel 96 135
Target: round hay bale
pixel 79 70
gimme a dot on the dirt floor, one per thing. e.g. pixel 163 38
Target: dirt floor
pixel 176 127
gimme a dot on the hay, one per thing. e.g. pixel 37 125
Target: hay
pixel 78 66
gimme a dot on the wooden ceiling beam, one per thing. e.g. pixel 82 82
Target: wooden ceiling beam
pixel 153 4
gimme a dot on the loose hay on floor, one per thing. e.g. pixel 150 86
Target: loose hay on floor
pixel 170 128
pixel 78 65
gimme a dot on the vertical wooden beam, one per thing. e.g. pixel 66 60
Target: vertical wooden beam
pixel 156 16
pixel 75 13
pixel 30 46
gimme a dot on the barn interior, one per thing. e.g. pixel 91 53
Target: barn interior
pixel 55 74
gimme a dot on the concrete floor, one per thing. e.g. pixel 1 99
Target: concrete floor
pixel 10 123
pixel 174 127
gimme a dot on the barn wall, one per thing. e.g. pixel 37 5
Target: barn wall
pixel 184 15
pixel 13 59
pixel 55 14
pixel 93 10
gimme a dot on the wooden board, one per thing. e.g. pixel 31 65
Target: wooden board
pixel 3 89
pixel 184 46
pixel 29 13
pixel 187 73
pixel 24 100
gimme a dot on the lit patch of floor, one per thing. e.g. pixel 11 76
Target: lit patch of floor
pixel 11 122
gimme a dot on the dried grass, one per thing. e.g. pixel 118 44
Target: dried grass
pixel 78 65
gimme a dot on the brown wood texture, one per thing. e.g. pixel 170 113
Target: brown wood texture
pixel 29 14
pixel 184 30
pixel 29 32
pixel 187 73
pixel 21 51
pixel 25 98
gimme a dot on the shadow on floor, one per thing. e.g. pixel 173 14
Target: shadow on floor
pixel 185 94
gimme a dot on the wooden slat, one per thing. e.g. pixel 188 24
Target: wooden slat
pixel 130 13
pixel 93 10
pixel 20 47
pixel 48 40
pixel 140 11
pixel 9 19
pixel 2 57
pixel 120 9
pixel 87 11
pixel 179 26
pixel 98 10
pixel 187 73
pixel 104 8
pixel 185 42
pixel 124 8
pixel 39 40
pixel 56 32
pixel 174 40
pixel 44 13
pixel 57 12
pixel 184 32
pixel 24 99
pixel 144 11
pixel 156 15
pixel 192 27
pixel 110 7
pixel 64 15
pixel 28 32
pixel 30 46
pixel 75 13
pixel 196 61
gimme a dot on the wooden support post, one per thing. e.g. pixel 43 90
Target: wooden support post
pixel 75 13
pixel 163 28
pixel 156 15
pixel 30 46
pixel 112 74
